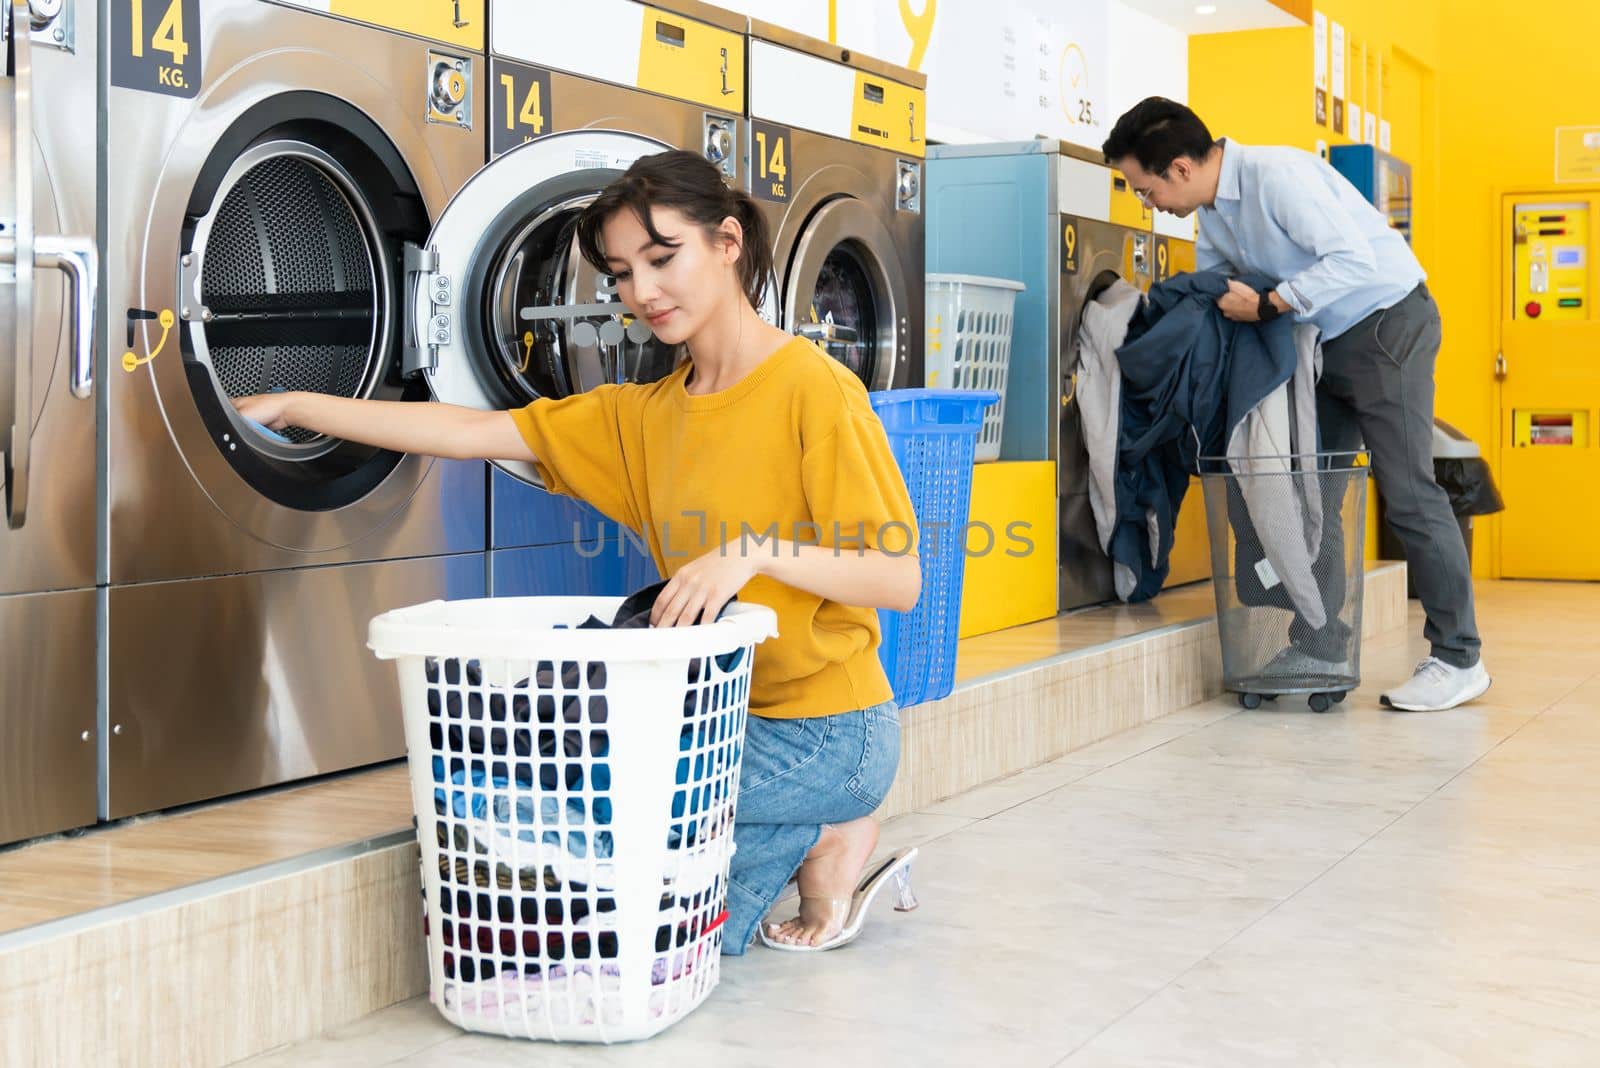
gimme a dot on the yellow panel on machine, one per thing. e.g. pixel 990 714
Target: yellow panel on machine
pixel 1190 560
pixel 1011 547
pixel 888 114
pixel 452 22
pixel 1126 207
pixel 690 60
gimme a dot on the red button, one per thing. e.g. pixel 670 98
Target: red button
pixel 1533 309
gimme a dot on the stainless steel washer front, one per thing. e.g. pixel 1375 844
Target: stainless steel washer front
pixel 256 227
pixel 302 113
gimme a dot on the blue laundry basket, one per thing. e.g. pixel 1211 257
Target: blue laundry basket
pixel 934 434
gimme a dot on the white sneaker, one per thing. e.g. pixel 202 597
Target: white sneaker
pixel 1437 686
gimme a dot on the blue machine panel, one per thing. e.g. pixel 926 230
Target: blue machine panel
pixel 990 215
pixel 1382 179
pixel 464 577
pixel 462 500
pixel 544 544
pixel 609 567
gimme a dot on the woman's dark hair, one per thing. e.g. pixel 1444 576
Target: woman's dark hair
pixel 693 185
pixel 1156 131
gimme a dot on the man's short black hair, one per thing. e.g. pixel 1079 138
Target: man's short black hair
pixel 1156 131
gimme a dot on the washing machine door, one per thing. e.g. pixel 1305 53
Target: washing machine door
pixel 840 291
pixel 503 308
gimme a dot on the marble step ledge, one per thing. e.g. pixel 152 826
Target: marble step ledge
pixel 1002 723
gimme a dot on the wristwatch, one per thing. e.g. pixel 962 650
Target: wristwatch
pixel 1267 311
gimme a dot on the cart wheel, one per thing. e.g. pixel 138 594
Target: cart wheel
pixel 1250 700
pixel 1320 702
pixel 1339 697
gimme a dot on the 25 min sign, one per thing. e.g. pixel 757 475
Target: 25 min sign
pixel 155 46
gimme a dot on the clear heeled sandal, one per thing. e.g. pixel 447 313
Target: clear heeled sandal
pixel 851 912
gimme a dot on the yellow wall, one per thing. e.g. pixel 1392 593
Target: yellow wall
pixel 1497 132
pixel 1474 90
pixel 1257 87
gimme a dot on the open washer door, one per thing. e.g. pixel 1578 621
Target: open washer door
pixel 840 292
pixel 503 309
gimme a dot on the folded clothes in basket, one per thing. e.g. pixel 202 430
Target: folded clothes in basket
pixel 521 765
pixel 495 798
pixel 580 994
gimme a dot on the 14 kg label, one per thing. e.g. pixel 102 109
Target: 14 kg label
pixel 155 46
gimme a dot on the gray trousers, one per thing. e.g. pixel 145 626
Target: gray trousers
pixel 1377 387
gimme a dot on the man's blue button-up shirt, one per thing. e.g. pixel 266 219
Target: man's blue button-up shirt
pixel 1285 213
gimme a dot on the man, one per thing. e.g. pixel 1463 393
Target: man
pixel 1285 214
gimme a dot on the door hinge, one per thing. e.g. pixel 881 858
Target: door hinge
pixel 420 350
pixel 1500 366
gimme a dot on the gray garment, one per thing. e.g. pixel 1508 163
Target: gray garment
pixel 1271 451
pixel 1377 387
pixel 1098 392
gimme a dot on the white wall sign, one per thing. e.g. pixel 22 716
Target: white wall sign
pixel 1369 129
pixel 1000 70
pixel 1336 79
pixel 1353 113
pixel 1319 49
pixel 1384 132
pixel 1319 67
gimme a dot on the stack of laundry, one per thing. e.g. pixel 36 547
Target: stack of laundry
pixel 1167 387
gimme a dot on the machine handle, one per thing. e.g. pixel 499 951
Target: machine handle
pixel 77 258
pixel 828 332
pixel 21 252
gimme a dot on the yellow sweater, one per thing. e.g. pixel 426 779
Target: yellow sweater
pixel 792 450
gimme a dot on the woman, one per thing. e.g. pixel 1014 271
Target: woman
pixel 756 432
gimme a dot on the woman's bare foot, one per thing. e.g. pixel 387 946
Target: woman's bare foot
pixel 827 882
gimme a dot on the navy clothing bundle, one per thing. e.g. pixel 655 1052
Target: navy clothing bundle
pixel 1189 375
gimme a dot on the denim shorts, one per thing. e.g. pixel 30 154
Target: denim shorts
pixel 796 775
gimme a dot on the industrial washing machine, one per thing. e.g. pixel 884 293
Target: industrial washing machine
pixel 49 736
pixel 1054 217
pixel 672 74
pixel 835 159
pixel 270 166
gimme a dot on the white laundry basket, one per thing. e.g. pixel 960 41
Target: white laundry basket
pixel 574 799
pixel 969 343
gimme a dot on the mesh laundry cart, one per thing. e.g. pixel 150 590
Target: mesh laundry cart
pixel 968 343
pixel 1287 563
pixel 574 798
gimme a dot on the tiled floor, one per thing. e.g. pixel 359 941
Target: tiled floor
pixel 1218 888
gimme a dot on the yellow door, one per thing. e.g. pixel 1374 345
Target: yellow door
pixel 1549 391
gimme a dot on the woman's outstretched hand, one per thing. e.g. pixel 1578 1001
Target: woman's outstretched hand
pixel 446 430
pixel 271 410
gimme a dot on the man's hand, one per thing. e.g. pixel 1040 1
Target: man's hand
pixel 1243 304
pixel 1240 303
